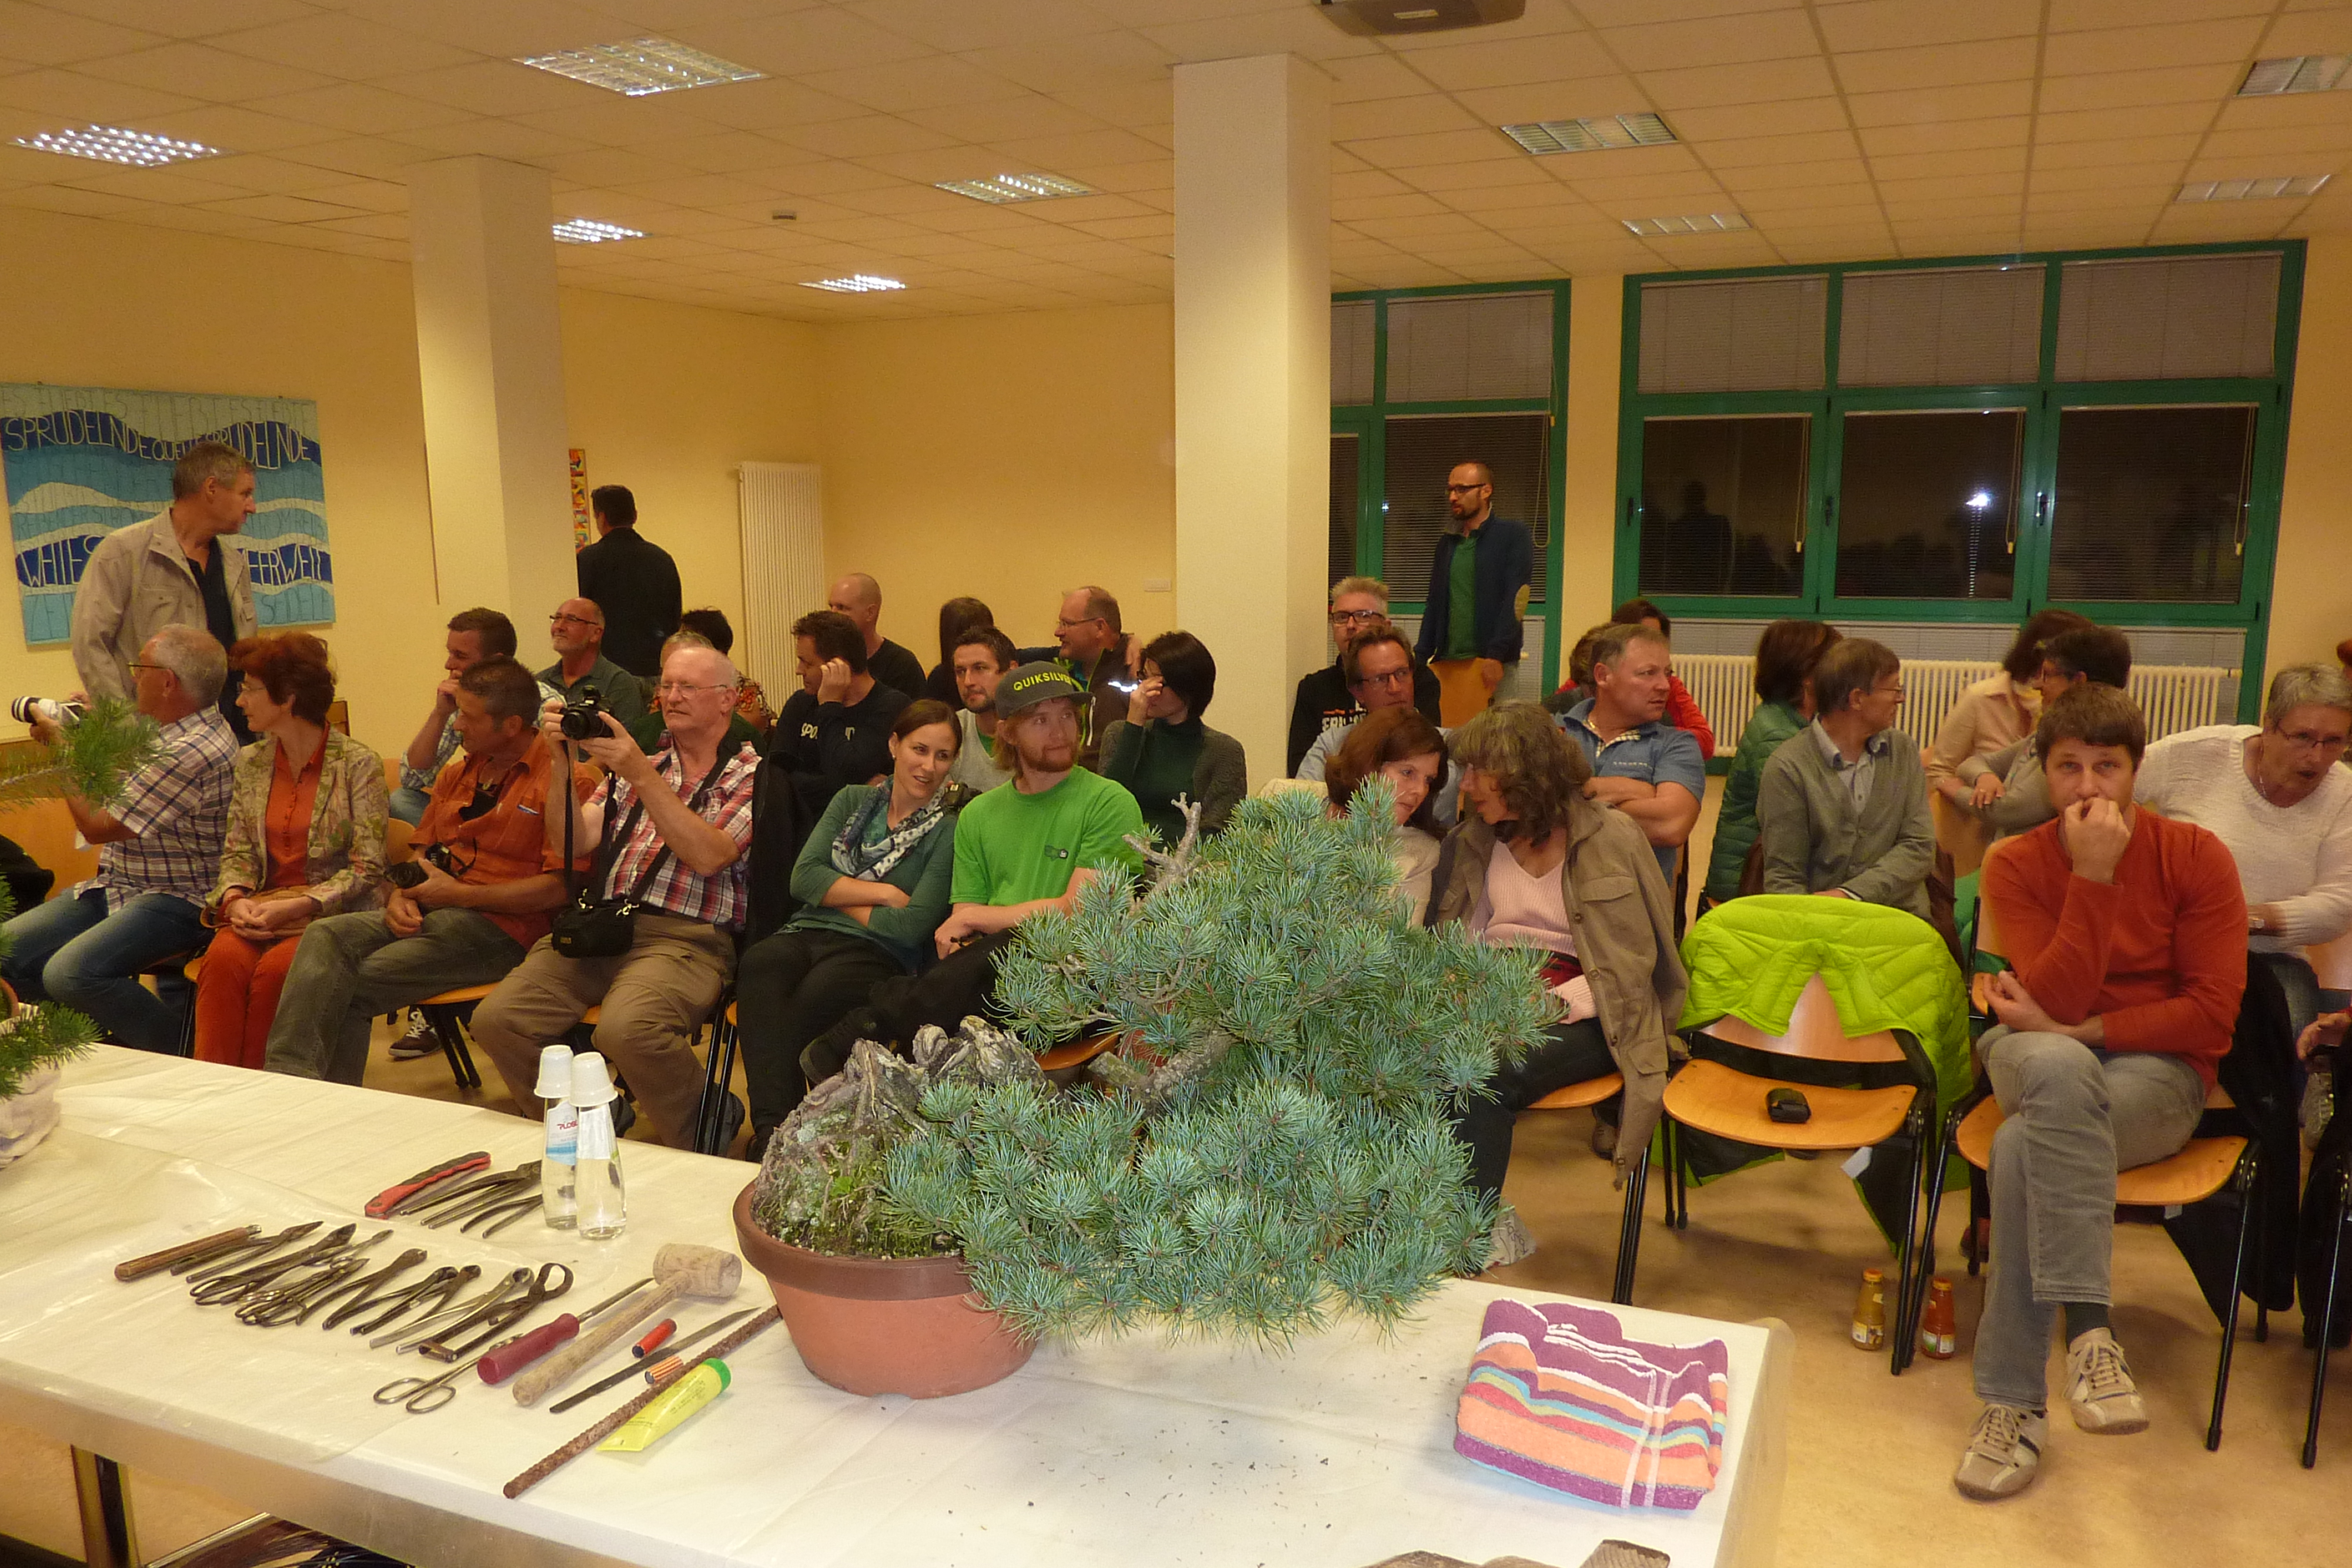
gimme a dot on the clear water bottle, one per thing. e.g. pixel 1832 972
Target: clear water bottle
pixel 559 1159
pixel 597 1195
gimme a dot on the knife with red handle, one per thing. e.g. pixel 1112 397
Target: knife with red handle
pixel 392 1198
pixel 502 1361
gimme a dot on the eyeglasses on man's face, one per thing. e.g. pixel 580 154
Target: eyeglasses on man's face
pixel 565 618
pixel 1466 489
pixel 1066 624
pixel 1385 677
pixel 1356 617
pixel 681 688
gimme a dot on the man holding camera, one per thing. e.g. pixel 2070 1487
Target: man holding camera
pixel 576 631
pixel 669 832
pixel 159 850
pixel 462 912
pixel 474 635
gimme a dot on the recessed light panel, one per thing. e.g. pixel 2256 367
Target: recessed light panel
pixel 111 144
pixel 1695 224
pixel 855 283
pixel 1002 188
pixel 641 66
pixel 2251 190
pixel 2294 73
pixel 588 230
pixel 1545 136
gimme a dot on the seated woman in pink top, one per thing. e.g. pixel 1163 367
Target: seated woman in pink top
pixel 1534 864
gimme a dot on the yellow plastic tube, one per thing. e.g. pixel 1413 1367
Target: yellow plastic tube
pixel 682 1399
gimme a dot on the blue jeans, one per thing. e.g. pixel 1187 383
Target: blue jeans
pixel 71 952
pixel 408 805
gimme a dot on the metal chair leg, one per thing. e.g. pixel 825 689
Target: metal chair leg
pixel 1628 1231
pixel 718 1066
pixel 2247 1165
pixel 1944 1143
pixel 1907 1255
pixel 1682 1180
pixel 453 1047
pixel 2343 1214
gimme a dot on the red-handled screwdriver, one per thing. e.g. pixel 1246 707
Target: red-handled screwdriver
pixel 501 1362
pixel 656 1337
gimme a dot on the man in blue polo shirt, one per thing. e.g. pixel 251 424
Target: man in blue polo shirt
pixel 1641 764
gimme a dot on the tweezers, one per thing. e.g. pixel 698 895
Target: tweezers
pixel 435 1288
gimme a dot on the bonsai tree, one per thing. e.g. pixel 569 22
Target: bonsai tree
pixel 1266 1145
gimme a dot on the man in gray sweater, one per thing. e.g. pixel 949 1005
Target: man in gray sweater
pixel 1842 804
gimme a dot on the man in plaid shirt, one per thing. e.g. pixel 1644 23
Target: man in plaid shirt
pixel 159 852
pixel 681 820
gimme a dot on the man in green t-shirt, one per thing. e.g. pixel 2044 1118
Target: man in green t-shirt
pixel 1018 852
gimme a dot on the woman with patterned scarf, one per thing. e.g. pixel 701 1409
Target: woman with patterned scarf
pixel 872 880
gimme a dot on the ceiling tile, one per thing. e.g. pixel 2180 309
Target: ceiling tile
pixel 342 45
pixel 1359 77
pixel 1439 146
pixel 1788 117
pixel 1910 208
pixel 506 30
pixel 2109 155
pixel 350 106
pixel 1404 204
pixel 1715 87
pixel 184 19
pixel 2284 141
pixel 2204 84
pixel 1970 160
pixel 1885 141
pixel 2326 32
pixel 1370 182
pixel 369 195
pixel 1764 205
pixel 1554 100
pixel 2210 165
pixel 1714 41
pixel 1495 63
pixel 494 86
pixel 2108 124
pixel 187 183
pixel 1400 117
pixel 1666 193
pixel 913 84
pixel 71 97
pixel 229 126
pixel 65 199
pixel 959 25
pixel 1927 106
pixel 281 209
pixel 768 104
pixel 1060 153
pixel 1904 24
pixel 2079 16
pixel 724 151
pixel 1004 120
pixel 1291 30
pixel 867 136
pixel 197 72
pixel 1943 65
pixel 2151 174
pixel 1130 104
pixel 492 139
pixel 1785 176
pixel 2129 49
pixel 53 37
pixel 1785 151
pixel 1914 187
pixel 818 38
pixel 273 176
pixel 363 155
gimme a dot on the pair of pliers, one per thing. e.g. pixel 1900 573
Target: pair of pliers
pixel 491 1319
pixel 514 1208
pixel 491 1191
pixel 435 1288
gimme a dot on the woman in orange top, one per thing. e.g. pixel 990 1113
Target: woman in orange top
pixel 305 839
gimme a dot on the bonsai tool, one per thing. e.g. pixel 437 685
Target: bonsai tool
pixel 435 1288
pixel 503 1360
pixel 208 1247
pixel 249 1252
pixel 538 1289
pixel 396 1198
pixel 766 1318
pixel 482 1192
pixel 669 1367
pixel 681 1269
pixel 280 1304
pixel 514 1208
pixel 416 1334
pixel 423 1396
pixel 243 1282
pixel 317 1296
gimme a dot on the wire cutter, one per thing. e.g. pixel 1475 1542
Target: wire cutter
pixel 435 1288
pixel 417 1332
pixel 495 1318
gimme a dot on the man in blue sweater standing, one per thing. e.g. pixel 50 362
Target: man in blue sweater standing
pixel 1478 586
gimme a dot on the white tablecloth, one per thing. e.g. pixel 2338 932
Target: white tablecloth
pixel 1135 1451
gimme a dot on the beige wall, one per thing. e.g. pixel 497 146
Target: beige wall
pixel 665 398
pixel 2311 611
pixel 1005 456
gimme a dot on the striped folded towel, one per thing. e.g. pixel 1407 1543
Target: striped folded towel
pixel 1559 1395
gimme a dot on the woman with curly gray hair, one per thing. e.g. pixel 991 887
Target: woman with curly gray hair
pixel 1534 864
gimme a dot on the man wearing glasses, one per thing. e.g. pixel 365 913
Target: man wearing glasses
pixel 1093 647
pixel 1323 700
pixel 491 883
pixel 1379 670
pixel 1478 587
pixel 576 629
pixel 1842 805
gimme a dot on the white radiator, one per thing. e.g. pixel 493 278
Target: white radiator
pixel 783 509
pixel 2174 696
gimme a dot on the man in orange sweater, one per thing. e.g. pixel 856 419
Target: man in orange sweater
pixel 2127 934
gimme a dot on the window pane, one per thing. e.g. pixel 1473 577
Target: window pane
pixel 1343 507
pixel 1351 352
pixel 1481 345
pixel 1927 504
pixel 2171 317
pixel 2151 504
pixel 1762 334
pixel 1423 450
pixel 1955 326
pixel 1723 505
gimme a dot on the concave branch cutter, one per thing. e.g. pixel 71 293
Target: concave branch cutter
pixel 432 1292
pixel 494 1318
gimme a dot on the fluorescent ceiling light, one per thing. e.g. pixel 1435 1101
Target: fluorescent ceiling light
pixel 1544 136
pixel 1002 188
pixel 111 144
pixel 2294 73
pixel 588 230
pixel 2251 190
pixel 641 66
pixel 1695 224
pixel 855 283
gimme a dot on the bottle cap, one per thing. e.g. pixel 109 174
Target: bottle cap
pixel 554 1072
pixel 592 1081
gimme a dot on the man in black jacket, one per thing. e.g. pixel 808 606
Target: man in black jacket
pixel 1324 700
pixel 860 596
pixel 1479 581
pixel 633 581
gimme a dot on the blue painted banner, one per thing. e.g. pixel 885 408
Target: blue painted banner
pixel 80 462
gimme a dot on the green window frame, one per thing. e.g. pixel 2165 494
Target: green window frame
pixel 1368 423
pixel 2045 400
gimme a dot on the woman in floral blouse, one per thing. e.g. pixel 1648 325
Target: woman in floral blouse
pixel 305 839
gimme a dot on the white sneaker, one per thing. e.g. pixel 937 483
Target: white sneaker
pixel 2099 1386
pixel 2003 1454
pixel 420 1040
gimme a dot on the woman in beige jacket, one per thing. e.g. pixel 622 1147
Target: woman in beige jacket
pixel 1998 711
pixel 1533 863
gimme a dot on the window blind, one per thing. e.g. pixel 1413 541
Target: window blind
pixel 1758 334
pixel 1951 326
pixel 2167 318
pixel 1351 352
pixel 1343 507
pixel 1472 346
pixel 1423 449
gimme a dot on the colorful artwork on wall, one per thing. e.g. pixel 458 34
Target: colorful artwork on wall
pixel 584 525
pixel 79 461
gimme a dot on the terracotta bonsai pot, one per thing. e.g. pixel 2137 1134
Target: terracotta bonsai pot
pixel 882 1325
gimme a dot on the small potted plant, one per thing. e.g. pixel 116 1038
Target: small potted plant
pixel 1266 1146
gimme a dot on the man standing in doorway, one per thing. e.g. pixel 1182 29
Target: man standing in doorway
pixel 1478 587
pixel 576 631
pixel 1324 700
pixel 860 596
pixel 634 580
pixel 171 571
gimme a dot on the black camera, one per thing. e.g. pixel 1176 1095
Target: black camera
pixel 408 874
pixel 584 716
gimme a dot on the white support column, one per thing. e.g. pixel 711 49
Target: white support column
pixel 1254 382
pixel 491 353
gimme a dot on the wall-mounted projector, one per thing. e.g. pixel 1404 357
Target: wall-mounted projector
pixel 1380 18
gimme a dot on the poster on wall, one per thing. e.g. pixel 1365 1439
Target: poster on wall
pixel 78 463
pixel 582 527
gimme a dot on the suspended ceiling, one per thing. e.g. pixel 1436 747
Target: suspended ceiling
pixel 1881 128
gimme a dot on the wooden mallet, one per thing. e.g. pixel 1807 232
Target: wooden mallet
pixel 680 1268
